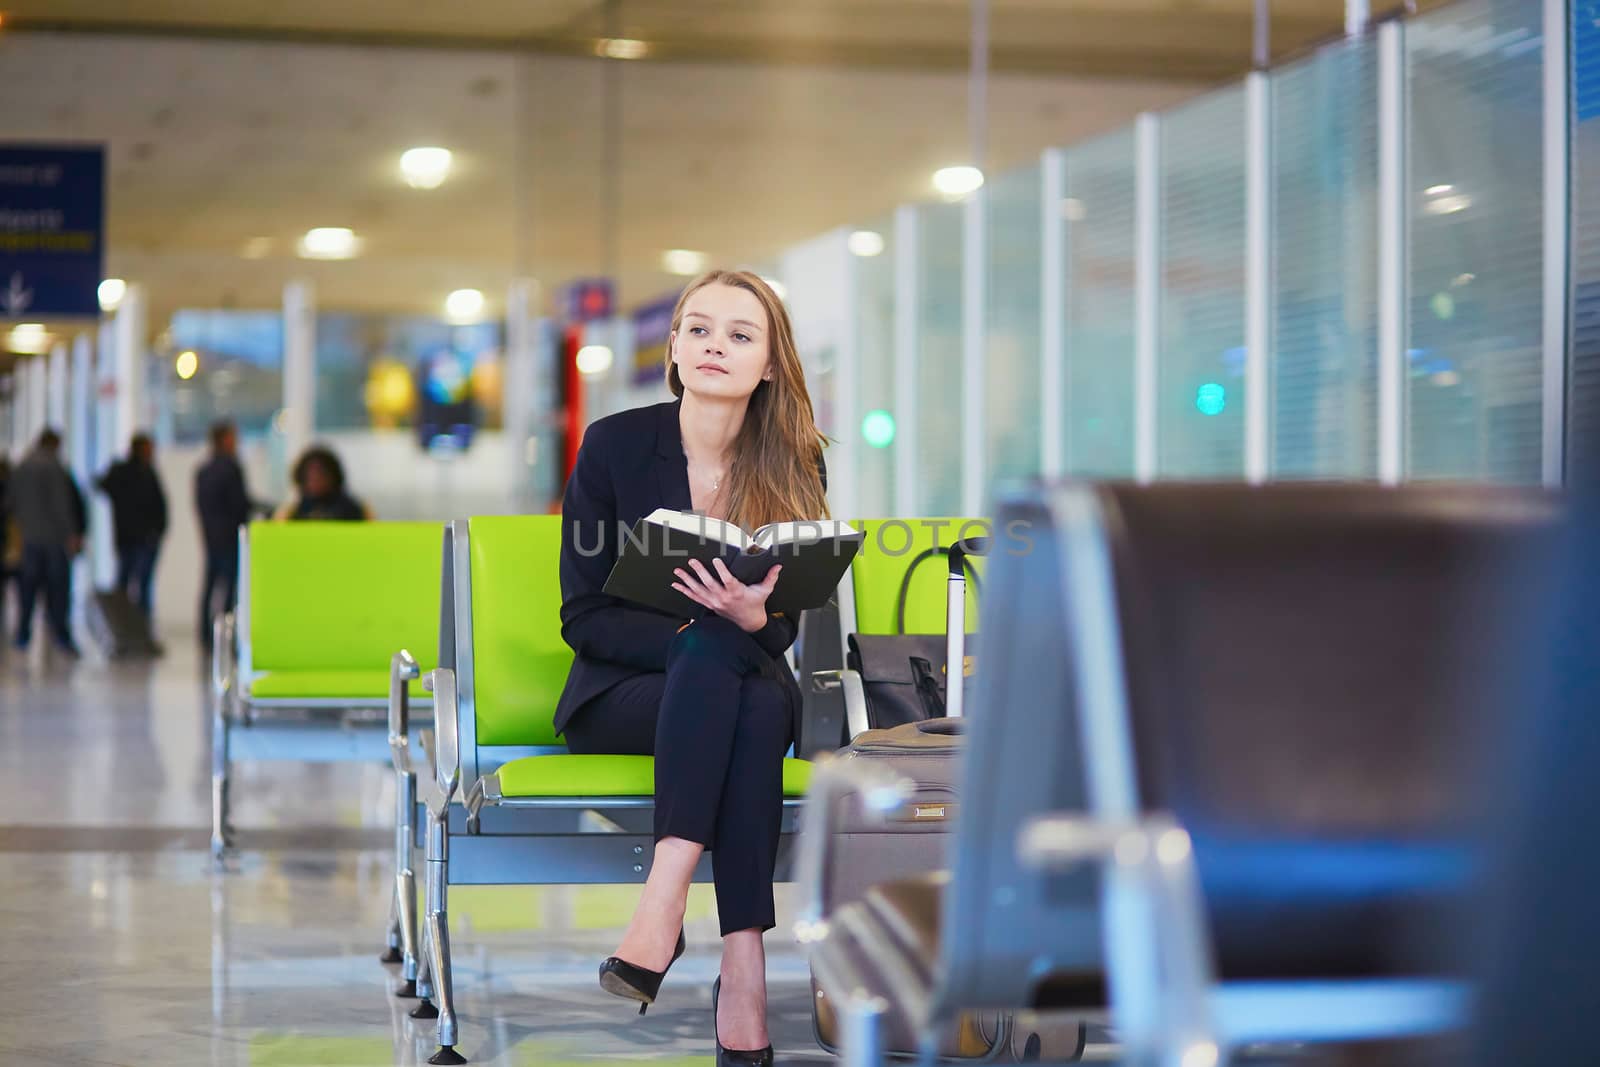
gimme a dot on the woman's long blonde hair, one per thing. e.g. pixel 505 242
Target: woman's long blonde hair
pixel 775 471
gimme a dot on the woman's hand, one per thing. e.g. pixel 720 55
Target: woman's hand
pixel 743 605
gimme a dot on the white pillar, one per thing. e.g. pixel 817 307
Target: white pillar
pixel 130 368
pixel 907 317
pixel 38 397
pixel 21 409
pixel 80 409
pixel 299 367
pixel 518 387
pixel 974 352
pixel 55 372
pixel 104 401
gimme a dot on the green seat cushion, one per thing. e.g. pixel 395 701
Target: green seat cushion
pixel 343 596
pixel 888 547
pixel 608 776
pixel 519 659
pixel 373 685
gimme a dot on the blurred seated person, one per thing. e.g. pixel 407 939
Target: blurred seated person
pixel 320 490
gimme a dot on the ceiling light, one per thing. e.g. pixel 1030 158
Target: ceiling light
pixel 953 183
pixel 29 338
pixel 257 248
pixel 683 261
pixel 329 242
pixel 111 292
pixel 425 168
pixel 464 305
pixel 187 364
pixel 1438 190
pixel 866 243
pixel 621 48
pixel 594 359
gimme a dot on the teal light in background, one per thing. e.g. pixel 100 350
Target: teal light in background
pixel 1210 399
pixel 878 428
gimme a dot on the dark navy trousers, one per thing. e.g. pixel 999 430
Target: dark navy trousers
pixel 718 721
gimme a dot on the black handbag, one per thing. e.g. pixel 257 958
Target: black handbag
pixel 904 675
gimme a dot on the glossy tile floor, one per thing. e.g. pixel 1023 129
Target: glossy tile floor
pixel 122 944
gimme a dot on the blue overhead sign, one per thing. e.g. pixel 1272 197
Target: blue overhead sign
pixel 52 230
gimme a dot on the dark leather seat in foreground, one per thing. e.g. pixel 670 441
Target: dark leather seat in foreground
pixel 1298 677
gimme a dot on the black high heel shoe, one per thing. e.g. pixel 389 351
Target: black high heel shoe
pixel 733 1057
pixel 623 979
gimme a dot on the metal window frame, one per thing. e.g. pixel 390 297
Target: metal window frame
pixel 1557 326
pixel 1258 308
pixel 1393 253
pixel 1147 293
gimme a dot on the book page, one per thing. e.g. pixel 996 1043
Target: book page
pixel 803 531
pixel 700 526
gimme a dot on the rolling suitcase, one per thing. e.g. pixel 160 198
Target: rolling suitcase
pixel 118 626
pixel 869 852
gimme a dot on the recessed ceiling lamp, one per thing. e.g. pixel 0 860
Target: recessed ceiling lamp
pixel 866 243
pixel 29 338
pixel 954 183
pixel 425 168
pixel 621 48
pixel 111 292
pixel 683 261
pixel 464 305
pixel 329 242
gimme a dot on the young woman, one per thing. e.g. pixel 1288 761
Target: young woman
pixel 712 700
pixel 319 483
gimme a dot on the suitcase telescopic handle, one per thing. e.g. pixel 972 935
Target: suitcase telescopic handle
pixel 971 546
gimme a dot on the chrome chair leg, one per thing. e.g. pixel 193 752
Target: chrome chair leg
pixel 439 941
pixel 221 832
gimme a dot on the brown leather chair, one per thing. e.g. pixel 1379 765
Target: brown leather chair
pixel 1222 767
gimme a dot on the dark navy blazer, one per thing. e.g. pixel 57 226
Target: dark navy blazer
pixel 630 464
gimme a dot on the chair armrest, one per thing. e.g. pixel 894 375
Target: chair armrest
pixel 882 794
pixel 855 696
pixel 403 670
pixel 441 682
pixel 1158 955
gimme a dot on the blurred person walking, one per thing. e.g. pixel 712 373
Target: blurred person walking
pixel 319 483
pixel 10 543
pixel 139 517
pixel 48 509
pixel 223 503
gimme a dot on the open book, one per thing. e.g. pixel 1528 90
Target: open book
pixel 814 553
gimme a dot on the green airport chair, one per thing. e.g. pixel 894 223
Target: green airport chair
pixel 298 668
pixel 530 812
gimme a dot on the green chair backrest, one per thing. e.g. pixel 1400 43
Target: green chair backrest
pixel 343 595
pixel 519 660
pixel 888 548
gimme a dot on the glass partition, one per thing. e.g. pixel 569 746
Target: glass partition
pixel 1011 341
pixel 1324 233
pixel 1474 80
pixel 1100 213
pixel 226 365
pixel 939 360
pixel 874 249
pixel 1200 365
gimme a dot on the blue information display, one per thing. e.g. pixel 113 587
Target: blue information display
pixel 52 230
